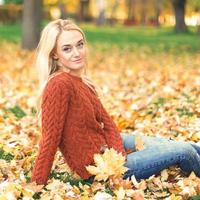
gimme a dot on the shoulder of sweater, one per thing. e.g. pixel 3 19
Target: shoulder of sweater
pixel 59 81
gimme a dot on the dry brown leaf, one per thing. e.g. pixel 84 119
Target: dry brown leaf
pixel 33 186
pixel 139 145
pixel 174 197
pixel 138 196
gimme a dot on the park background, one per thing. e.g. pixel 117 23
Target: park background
pixel 145 57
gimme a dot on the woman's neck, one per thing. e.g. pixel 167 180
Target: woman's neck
pixel 76 73
pixel 72 72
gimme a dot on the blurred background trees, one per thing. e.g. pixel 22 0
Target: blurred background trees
pixel 177 13
pixel 31 23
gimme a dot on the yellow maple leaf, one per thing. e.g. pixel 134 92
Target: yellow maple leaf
pixel 107 164
pixel 120 193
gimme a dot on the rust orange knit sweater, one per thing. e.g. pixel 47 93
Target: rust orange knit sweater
pixel 71 121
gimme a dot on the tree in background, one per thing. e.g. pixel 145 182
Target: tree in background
pixel 143 12
pixel 179 11
pixel 198 25
pixel 158 5
pixel 32 17
pixel 196 7
pixel 84 10
pixel 13 1
pixel 62 7
pixel 134 12
pixel 130 12
pixel 101 7
pixel 113 12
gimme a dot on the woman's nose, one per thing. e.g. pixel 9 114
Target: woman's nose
pixel 76 51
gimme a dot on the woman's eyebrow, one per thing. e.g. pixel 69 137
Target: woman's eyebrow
pixel 70 44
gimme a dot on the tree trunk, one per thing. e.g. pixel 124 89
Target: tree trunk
pixel 143 13
pixel 101 19
pixel 130 20
pixel 130 4
pixel 198 30
pixel 198 24
pixel 113 11
pixel 32 17
pixel 158 11
pixel 84 12
pixel 179 10
pixel 62 9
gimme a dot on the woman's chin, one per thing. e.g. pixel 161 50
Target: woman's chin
pixel 77 66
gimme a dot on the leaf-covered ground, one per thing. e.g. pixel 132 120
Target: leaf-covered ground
pixel 152 94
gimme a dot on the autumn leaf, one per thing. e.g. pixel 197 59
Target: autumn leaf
pixel 120 193
pixel 107 164
pixel 139 145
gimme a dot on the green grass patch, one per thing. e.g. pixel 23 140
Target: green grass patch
pixel 10 33
pixel 146 38
pixel 195 198
pixel 17 111
pixel 149 39
pixel 5 155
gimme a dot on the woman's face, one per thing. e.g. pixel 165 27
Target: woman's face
pixel 71 51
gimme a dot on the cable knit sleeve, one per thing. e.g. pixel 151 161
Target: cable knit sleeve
pixel 112 134
pixel 54 109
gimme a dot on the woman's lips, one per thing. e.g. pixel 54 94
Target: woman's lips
pixel 79 60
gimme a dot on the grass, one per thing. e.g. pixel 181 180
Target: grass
pixel 155 39
pixel 152 39
pixel 11 33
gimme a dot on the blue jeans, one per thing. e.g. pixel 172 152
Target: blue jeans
pixel 158 154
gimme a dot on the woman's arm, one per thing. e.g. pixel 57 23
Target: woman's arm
pixel 54 109
pixel 112 134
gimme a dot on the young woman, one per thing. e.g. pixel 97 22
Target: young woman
pixel 74 120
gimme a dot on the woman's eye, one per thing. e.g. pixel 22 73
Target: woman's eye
pixel 80 44
pixel 67 49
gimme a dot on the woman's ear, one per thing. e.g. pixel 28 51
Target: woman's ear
pixel 55 56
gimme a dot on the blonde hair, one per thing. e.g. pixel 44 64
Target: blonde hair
pixel 44 62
